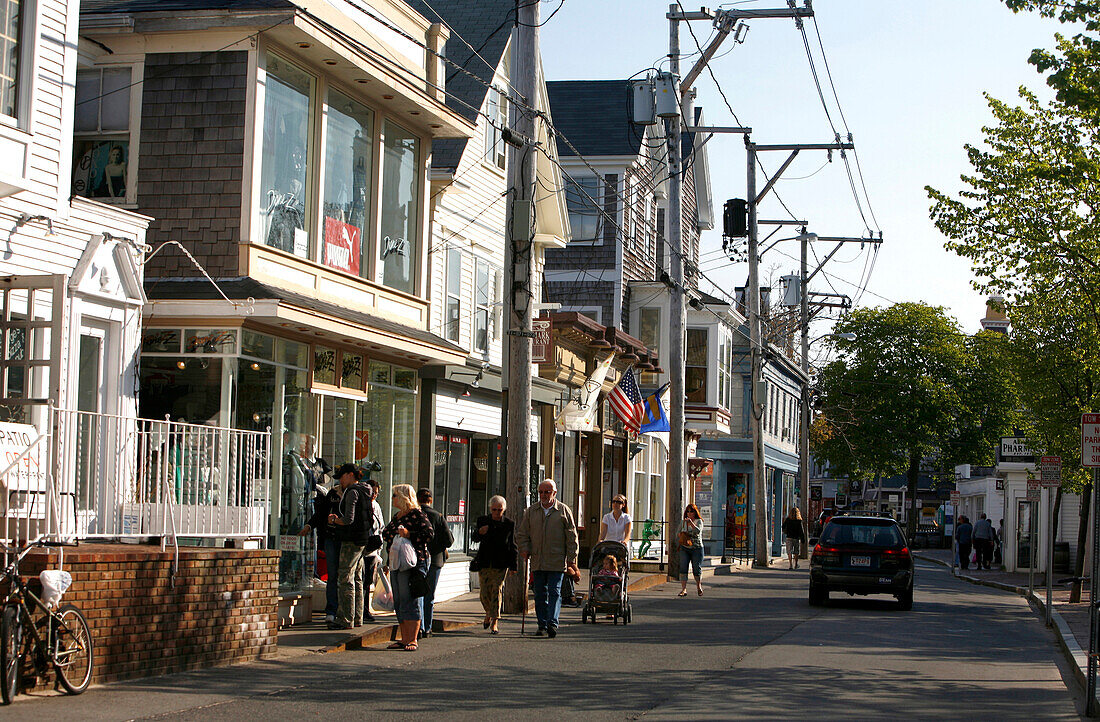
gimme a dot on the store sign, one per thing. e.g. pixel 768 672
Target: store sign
pixel 1017 449
pixel 542 349
pixel 1090 440
pixel 342 243
pixel 290 543
pixel 14 440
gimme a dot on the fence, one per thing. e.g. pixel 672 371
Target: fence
pixel 104 476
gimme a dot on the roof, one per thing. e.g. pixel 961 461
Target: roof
pixel 138 6
pixel 595 115
pixel 199 289
pixel 487 26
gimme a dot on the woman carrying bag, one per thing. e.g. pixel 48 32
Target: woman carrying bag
pixel 795 531
pixel 691 549
pixel 496 556
pixel 407 536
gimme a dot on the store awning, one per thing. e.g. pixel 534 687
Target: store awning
pixel 193 300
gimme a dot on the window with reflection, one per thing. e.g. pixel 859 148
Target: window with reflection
pixel 285 161
pixel 348 152
pixel 399 207
pixel 695 363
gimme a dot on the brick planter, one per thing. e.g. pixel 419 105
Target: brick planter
pixel 223 607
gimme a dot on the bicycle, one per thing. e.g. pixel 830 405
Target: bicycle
pixel 60 637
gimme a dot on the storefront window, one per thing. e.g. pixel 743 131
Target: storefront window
pixel 297 450
pixel 351 371
pixel 347 182
pixel 399 208
pixel 324 366
pixel 285 164
pixel 208 340
pixel 182 388
pixel 258 345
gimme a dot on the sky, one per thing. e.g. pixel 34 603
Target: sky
pixel 910 78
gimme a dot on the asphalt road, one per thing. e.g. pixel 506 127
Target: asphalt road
pixel 751 647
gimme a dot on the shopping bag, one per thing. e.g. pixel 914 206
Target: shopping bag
pixel 383 595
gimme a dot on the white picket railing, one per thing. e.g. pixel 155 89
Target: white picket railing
pixel 104 476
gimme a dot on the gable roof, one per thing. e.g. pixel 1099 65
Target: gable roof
pixel 595 116
pixel 487 26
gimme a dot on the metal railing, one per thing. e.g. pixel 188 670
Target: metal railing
pixel 654 548
pixel 107 476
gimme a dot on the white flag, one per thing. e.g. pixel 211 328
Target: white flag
pixel 580 413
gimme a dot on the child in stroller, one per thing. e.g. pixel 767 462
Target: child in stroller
pixel 609 565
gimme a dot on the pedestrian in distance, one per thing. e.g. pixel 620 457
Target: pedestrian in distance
pixel 691 549
pixel 984 535
pixel 442 539
pixel 616 524
pixel 495 559
pixel 372 563
pixel 326 502
pixel 354 525
pixel 998 544
pixel 963 537
pixel 795 531
pixel 546 536
pixel 407 537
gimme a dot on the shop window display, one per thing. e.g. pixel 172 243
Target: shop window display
pixel 347 198
pixel 400 205
pixel 285 165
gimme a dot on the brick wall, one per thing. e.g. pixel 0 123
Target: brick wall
pixel 191 159
pixel 222 609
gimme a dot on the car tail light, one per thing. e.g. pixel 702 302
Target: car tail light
pixel 901 556
pixel 825 555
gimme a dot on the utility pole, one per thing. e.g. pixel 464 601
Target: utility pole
pixel 724 21
pixel 519 295
pixel 761 519
pixel 804 315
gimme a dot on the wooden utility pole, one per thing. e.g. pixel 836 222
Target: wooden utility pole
pixel 677 457
pixel 519 289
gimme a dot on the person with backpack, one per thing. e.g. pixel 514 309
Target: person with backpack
pixel 354 527
pixel 442 539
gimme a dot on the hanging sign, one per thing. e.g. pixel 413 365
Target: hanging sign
pixel 542 349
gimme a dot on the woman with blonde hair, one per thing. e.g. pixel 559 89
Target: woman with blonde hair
pixel 795 531
pixel 407 536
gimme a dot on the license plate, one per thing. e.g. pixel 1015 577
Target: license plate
pixel 860 561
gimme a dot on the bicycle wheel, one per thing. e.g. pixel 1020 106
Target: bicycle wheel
pixel 73 652
pixel 11 644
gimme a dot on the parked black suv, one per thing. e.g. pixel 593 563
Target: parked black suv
pixel 861 555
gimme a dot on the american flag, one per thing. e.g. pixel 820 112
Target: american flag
pixel 626 400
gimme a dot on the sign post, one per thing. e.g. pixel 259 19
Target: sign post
pixel 1050 475
pixel 956 498
pixel 1090 459
pixel 1034 496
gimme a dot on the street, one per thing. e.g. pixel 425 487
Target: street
pixel 751 647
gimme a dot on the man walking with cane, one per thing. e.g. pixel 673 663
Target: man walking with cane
pixel 546 537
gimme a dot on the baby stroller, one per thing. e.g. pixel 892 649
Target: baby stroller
pixel 606 593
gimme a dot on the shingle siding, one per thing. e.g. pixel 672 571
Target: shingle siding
pixel 192 158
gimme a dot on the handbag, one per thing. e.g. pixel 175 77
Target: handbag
pixel 685 540
pixel 402 554
pixel 418 583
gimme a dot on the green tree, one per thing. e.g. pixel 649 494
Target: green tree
pixel 1027 221
pixel 911 391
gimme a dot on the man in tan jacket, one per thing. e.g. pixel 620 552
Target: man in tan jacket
pixel 547 536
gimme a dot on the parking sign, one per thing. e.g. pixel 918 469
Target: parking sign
pixel 1090 440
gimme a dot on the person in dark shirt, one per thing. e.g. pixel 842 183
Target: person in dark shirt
pixel 496 557
pixel 354 526
pixel 963 538
pixel 442 539
pixel 324 503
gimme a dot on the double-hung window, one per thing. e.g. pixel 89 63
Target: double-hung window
pixel 11 50
pixel 484 293
pixel 453 310
pixel 696 366
pixel 725 381
pixel 582 197
pixel 497 110
pixel 102 163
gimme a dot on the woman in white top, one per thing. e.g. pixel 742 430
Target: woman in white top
pixel 616 523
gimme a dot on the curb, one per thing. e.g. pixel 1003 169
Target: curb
pixel 1077 658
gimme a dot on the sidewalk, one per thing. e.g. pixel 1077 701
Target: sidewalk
pixel 463 611
pixel 1070 620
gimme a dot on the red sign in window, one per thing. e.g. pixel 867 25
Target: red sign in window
pixel 342 242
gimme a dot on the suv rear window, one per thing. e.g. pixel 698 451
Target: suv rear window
pixel 868 534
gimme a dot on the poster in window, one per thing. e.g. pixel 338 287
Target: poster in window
pixel 362 444
pixel 100 168
pixel 342 243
